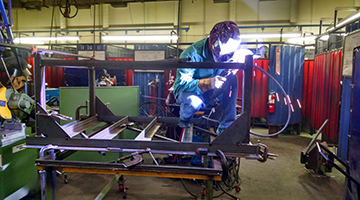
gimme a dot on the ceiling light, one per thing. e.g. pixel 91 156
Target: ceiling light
pixel 302 39
pixel 138 37
pixel 268 35
pixel 41 40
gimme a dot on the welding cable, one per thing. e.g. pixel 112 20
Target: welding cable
pixel 230 195
pixel 193 195
pixel 288 104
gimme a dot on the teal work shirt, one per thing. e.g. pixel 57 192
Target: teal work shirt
pixel 187 79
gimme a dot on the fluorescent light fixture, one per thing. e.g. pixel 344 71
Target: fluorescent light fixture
pixel 41 40
pixel 302 39
pixel 27 42
pixel 139 37
pixel 268 35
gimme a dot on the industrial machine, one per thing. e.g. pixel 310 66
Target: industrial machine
pixel 80 135
pixel 18 174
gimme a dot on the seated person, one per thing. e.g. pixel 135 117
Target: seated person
pixel 194 88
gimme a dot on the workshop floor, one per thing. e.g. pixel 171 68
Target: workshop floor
pixel 278 179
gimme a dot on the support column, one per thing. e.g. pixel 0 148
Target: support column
pixel 232 10
pixel 105 15
pixel 39 82
pixel 356 2
pixel 294 11
pixel 92 92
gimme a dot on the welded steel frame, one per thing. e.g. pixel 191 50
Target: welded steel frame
pixel 225 141
pixel 231 141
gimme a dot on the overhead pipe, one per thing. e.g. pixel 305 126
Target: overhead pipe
pixel 178 30
pixel 335 27
pixel 109 30
pixel 170 29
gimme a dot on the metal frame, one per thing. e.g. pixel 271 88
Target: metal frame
pixel 230 141
pixel 233 142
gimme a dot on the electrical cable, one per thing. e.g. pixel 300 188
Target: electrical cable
pixel 67 8
pixel 193 195
pixel 288 104
pixel 230 195
pixel 234 181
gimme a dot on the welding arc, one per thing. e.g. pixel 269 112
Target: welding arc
pixel 288 105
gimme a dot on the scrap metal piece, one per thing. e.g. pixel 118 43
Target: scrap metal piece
pixel 112 131
pixel 76 127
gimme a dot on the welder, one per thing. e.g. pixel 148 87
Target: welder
pixel 195 88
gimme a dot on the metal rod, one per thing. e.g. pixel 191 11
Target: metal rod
pixel 320 27
pixel 9 8
pixel 115 30
pixel 336 166
pixel 316 136
pixel 108 187
pixel 147 65
pixel 92 97
pixel 178 29
pixel 152 156
pixel 156 145
pixel 247 85
pixel 7 73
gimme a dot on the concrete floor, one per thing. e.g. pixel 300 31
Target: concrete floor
pixel 281 178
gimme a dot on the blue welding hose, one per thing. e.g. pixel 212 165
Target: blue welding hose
pixel 289 108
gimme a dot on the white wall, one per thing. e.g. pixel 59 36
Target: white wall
pixel 198 15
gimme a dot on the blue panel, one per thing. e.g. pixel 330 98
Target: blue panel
pixel 76 77
pixel 79 77
pixel 291 78
pixel 344 119
pixel 53 92
pixel 354 143
pixel 142 79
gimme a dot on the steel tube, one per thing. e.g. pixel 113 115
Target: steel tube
pixel 144 65
pixel 316 136
pixel 92 97
pixel 159 146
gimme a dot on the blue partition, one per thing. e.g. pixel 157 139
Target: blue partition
pixel 142 79
pixel 344 129
pixel 290 77
pixel 354 142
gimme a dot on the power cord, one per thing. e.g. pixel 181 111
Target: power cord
pixel 66 10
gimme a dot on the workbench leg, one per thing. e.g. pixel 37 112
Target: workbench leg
pixel 47 184
pixel 43 184
pixel 108 187
pixel 209 190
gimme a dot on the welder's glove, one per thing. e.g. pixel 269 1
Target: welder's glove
pixel 215 82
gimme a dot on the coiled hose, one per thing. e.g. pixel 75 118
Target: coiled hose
pixel 289 108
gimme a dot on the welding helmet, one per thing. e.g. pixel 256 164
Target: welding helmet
pixel 223 41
